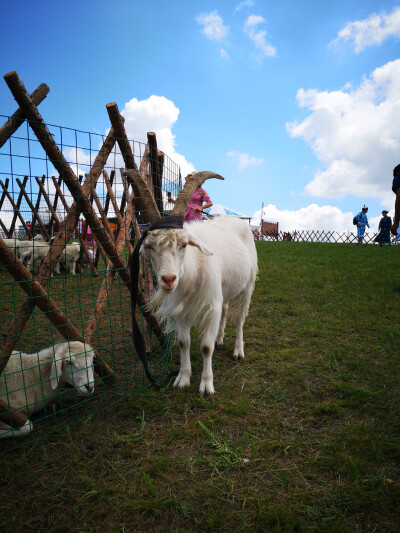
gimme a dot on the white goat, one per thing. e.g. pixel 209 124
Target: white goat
pixel 202 271
pixel 29 381
pixel 71 253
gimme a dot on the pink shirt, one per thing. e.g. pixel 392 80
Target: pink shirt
pixel 199 197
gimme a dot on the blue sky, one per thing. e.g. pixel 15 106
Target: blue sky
pixel 295 103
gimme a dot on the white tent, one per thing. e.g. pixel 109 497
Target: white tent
pixel 218 210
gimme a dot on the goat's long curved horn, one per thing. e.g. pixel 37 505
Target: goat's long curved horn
pixel 145 193
pixel 190 186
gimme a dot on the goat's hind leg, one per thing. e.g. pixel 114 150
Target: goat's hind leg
pixel 185 372
pixel 238 353
pixel 221 330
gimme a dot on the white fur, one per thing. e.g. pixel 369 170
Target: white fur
pixel 16 245
pixel 37 251
pixel 71 253
pixel 32 251
pixel 29 381
pixel 202 271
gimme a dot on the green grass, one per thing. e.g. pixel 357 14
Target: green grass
pixel 303 435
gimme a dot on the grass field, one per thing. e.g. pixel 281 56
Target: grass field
pixel 303 435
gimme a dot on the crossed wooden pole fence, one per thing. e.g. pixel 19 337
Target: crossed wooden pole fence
pixel 83 192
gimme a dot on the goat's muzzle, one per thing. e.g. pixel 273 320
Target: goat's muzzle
pixel 168 282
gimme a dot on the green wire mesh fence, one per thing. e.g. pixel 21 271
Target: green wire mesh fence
pixel 64 280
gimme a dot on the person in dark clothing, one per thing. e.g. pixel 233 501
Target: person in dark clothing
pixel 396 190
pixel 384 229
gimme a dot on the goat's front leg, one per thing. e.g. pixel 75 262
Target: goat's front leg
pixel 183 378
pixel 207 349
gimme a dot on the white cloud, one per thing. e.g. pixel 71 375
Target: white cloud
pixel 213 26
pixel 259 37
pixel 371 31
pixel 245 3
pixel 355 136
pixel 245 160
pixel 311 217
pixel 223 53
pixel 157 114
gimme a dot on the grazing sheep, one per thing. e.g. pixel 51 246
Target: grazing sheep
pixel 33 252
pixel 29 381
pixel 203 270
pixel 72 254
pixel 16 245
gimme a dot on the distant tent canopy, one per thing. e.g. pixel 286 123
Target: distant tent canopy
pixel 219 210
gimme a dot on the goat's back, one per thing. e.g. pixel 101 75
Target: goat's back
pixel 232 244
pixel 225 235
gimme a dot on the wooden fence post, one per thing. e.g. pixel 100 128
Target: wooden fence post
pixel 19 200
pixel 15 121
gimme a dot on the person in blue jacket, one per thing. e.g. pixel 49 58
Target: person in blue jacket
pixel 362 221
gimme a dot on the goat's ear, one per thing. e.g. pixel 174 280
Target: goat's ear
pixel 193 241
pixel 56 366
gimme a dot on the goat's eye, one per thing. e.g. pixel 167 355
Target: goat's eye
pixel 148 246
pixel 183 246
pixel 68 362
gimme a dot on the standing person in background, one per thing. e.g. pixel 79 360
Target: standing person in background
pixel 362 221
pixel 396 190
pixel 90 244
pixel 384 227
pixel 196 203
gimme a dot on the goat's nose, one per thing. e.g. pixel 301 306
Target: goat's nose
pixel 89 388
pixel 168 280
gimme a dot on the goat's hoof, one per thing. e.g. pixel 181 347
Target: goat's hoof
pixel 238 356
pixel 206 389
pixel 182 381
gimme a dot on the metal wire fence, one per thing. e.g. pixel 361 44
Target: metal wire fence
pixel 80 293
pixel 317 236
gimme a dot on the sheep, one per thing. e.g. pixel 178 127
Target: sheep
pixel 33 252
pixel 72 254
pixel 27 243
pixel 29 381
pixel 203 271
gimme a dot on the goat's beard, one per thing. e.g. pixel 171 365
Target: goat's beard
pixel 156 300
pixel 155 307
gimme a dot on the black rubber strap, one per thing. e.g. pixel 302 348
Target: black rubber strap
pixel 173 222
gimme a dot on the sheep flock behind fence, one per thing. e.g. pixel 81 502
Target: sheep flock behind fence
pixel 61 190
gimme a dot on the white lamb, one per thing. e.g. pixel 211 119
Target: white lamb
pixel 29 381
pixel 16 245
pixel 71 253
pixel 35 251
pixel 203 270
pixel 22 244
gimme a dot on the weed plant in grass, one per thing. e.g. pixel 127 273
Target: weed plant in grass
pixel 303 435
